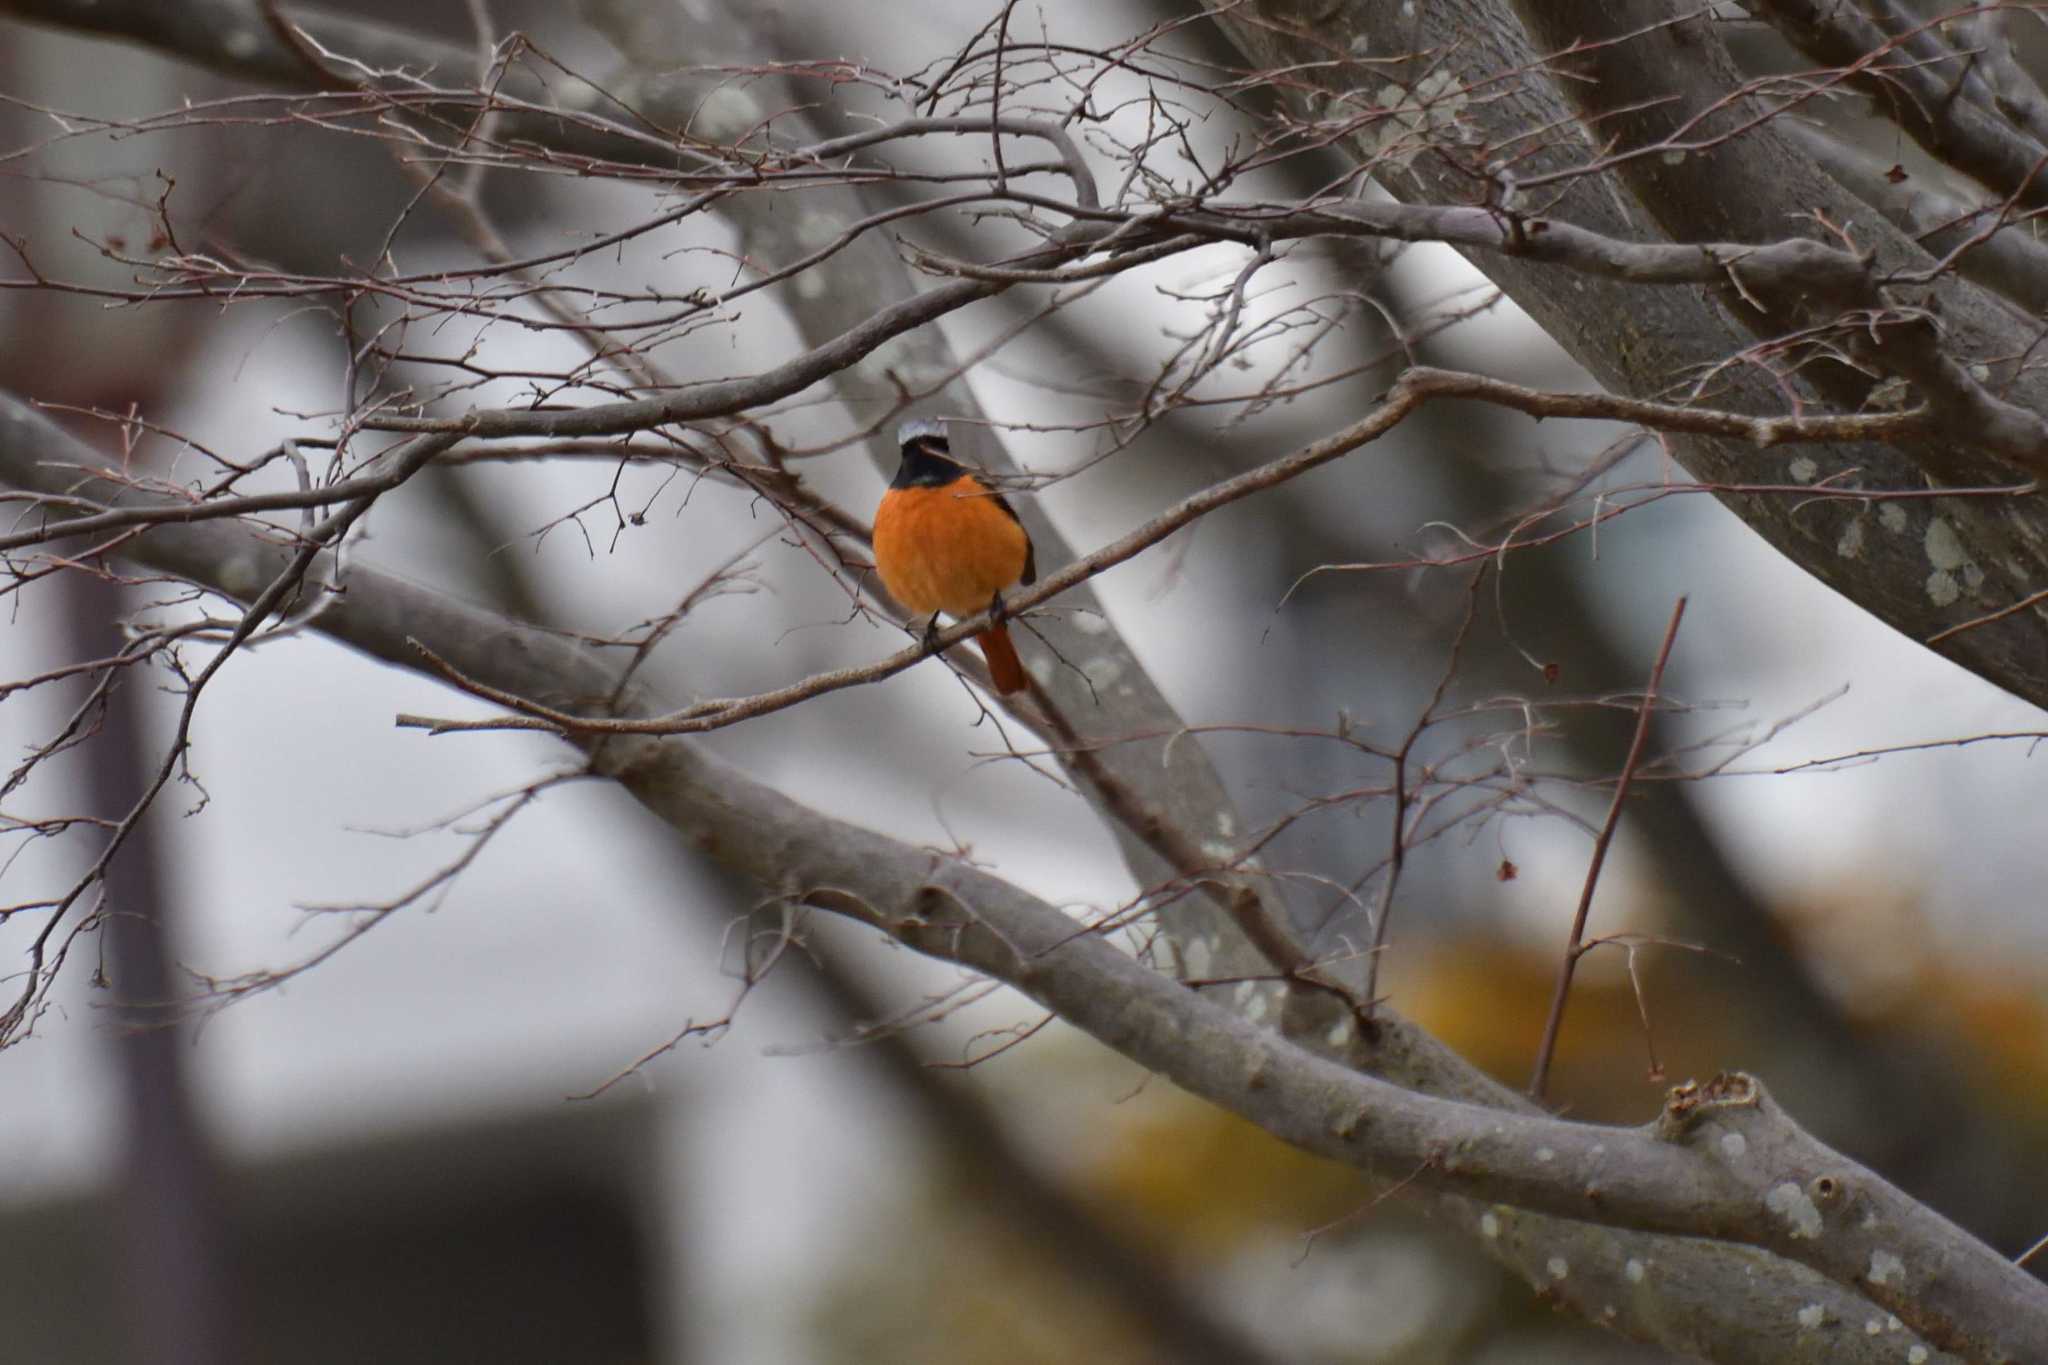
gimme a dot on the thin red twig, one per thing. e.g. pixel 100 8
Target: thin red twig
pixel 1575 948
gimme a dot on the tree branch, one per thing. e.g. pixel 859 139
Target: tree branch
pixel 1913 76
pixel 1503 106
pixel 1986 247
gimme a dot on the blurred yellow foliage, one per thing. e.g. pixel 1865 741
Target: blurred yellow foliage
pixel 1200 1180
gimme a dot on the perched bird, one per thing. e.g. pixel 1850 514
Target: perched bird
pixel 946 541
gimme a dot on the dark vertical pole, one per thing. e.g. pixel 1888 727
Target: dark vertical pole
pixel 170 1254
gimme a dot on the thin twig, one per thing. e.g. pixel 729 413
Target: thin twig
pixel 1576 947
pixel 1397 853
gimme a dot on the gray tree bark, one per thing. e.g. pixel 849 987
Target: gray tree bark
pixel 1944 562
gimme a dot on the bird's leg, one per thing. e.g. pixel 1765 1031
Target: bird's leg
pixel 997 611
pixel 931 634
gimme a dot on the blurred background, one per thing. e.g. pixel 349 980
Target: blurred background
pixel 443 1143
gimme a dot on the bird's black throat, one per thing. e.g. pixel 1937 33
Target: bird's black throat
pixel 926 464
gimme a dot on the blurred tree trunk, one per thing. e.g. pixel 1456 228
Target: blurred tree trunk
pixel 172 1273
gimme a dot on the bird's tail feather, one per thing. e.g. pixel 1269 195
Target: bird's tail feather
pixel 1005 669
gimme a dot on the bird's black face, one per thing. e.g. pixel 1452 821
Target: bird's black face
pixel 926 464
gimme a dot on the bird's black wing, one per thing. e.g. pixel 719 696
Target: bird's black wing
pixel 1030 550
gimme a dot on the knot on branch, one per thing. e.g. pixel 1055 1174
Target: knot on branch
pixel 1691 1104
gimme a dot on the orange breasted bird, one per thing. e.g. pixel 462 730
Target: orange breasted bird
pixel 947 542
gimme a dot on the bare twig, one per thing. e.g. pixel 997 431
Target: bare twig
pixel 1575 947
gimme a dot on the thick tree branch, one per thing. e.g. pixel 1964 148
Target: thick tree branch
pixel 1495 102
pixel 1650 74
pixel 1914 79
pixel 1983 39
pixel 1985 245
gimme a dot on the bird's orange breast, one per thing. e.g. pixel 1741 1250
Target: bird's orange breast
pixel 947 549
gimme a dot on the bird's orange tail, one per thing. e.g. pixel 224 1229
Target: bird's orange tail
pixel 1005 669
